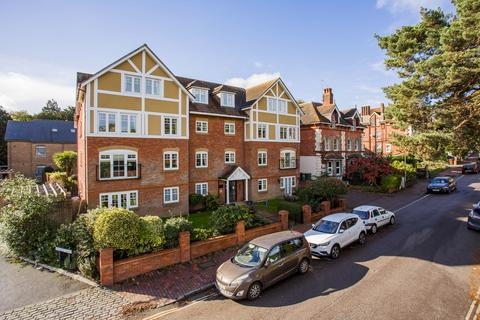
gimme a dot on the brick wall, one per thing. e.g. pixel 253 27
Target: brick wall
pixel 115 271
pixel 153 177
pixel 22 157
pixel 272 171
pixel 215 142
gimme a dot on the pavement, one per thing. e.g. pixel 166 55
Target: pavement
pixel 21 285
pixel 427 266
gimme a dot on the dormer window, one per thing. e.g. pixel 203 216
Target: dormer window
pixel 227 99
pixel 201 95
pixel 334 117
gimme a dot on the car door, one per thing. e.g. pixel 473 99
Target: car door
pixel 376 217
pixel 383 216
pixel 275 266
pixel 342 234
pixel 289 251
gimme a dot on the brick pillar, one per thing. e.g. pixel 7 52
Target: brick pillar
pixel 307 214
pixel 343 203
pixel 284 219
pixel 325 205
pixel 106 267
pixel 240 231
pixel 184 245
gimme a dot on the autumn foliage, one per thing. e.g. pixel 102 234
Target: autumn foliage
pixel 368 170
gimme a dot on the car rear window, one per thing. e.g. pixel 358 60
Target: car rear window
pixel 364 215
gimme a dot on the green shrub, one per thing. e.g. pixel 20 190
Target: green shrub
pixel 117 228
pixel 211 202
pixel 203 234
pixel 62 179
pixel 26 227
pixel 255 221
pixel 65 161
pixel 151 236
pixel 195 199
pixel 321 189
pixel 390 183
pixel 225 218
pixel 294 209
pixel 86 254
pixel 172 227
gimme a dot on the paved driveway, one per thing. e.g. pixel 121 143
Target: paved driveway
pixel 21 284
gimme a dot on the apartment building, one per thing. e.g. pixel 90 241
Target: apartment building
pixel 148 138
pixel 379 131
pixel 330 137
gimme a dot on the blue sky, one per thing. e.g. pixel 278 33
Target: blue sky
pixel 311 44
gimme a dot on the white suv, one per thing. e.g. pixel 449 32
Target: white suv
pixel 334 232
pixel 374 217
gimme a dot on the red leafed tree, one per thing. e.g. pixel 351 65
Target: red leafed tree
pixel 368 170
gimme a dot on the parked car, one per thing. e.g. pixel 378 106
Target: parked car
pixel 471 167
pixel 334 232
pixel 262 262
pixel 474 218
pixel 374 217
pixel 442 184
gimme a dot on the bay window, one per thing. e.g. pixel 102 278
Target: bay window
pixel 118 164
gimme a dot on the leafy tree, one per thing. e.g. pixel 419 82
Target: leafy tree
pixel 69 113
pixel 368 170
pixel 4 117
pixel 22 115
pixel 65 161
pixel 51 111
pixel 438 62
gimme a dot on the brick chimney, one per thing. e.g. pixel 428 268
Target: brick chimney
pixel 382 107
pixel 327 96
pixel 366 111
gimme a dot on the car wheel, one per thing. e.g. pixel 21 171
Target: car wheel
pixel 254 291
pixel 303 266
pixel 373 229
pixel 392 220
pixel 362 238
pixel 335 252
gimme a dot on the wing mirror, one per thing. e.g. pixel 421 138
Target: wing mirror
pixel 341 231
pixel 313 225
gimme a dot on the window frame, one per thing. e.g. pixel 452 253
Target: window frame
pixel 160 87
pixel 230 125
pixel 327 143
pixel 203 90
pixel 177 189
pixel 200 153
pixel 203 124
pixel 202 187
pixel 177 126
pixel 170 153
pixel 262 185
pixel 229 155
pixel 129 122
pixel 125 83
pixel 128 195
pixel 44 155
pixel 265 126
pixel 223 99
pixel 115 152
pixel 283 154
pixel 258 158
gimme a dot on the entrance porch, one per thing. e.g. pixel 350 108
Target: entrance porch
pixel 233 186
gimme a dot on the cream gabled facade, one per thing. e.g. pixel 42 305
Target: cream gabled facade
pixel 147 138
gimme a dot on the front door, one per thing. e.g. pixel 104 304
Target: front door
pixel 288 183
pixel 232 191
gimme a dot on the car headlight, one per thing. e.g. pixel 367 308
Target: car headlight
pixel 471 214
pixel 239 280
pixel 324 244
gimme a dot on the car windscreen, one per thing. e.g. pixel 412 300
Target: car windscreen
pixel 439 180
pixel 250 255
pixel 326 226
pixel 468 166
pixel 364 215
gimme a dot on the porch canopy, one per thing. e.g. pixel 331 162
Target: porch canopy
pixel 235 174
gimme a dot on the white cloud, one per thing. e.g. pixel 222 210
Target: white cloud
pixel 252 80
pixel 396 6
pixel 23 92
pixel 379 66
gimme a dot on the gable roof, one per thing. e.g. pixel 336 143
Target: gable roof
pixel 316 112
pixel 128 56
pixel 41 131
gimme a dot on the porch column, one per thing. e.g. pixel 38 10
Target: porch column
pixel 246 189
pixel 227 184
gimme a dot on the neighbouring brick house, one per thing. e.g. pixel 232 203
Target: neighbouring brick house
pixel 148 138
pixel 330 137
pixel 379 131
pixel 31 144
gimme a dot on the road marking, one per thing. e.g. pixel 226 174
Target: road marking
pixel 472 307
pixel 419 199
pixel 408 205
pixel 167 312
